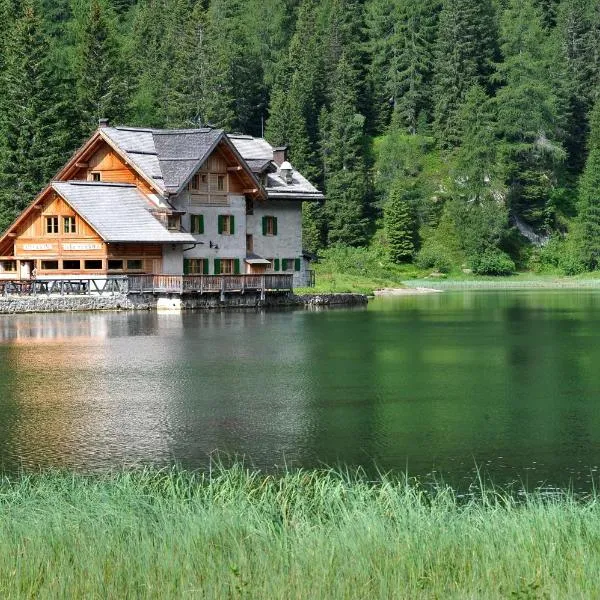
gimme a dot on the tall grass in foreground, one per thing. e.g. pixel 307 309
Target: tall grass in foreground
pixel 234 533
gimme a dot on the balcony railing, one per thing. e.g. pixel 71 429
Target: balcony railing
pixel 202 284
pixel 64 287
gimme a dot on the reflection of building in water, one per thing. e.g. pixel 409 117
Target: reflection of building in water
pixel 38 328
pixel 94 391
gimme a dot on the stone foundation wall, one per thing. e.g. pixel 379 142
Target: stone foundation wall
pixel 45 304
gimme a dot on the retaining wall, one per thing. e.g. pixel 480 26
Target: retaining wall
pixel 48 304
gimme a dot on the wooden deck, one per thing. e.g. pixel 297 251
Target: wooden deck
pixel 153 284
pixel 203 284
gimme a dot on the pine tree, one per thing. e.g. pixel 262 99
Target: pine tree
pixel 574 32
pixel 102 84
pixel 399 223
pixel 235 96
pixel 410 68
pixel 34 135
pixel 479 198
pixel 465 52
pixel 529 114
pixel 346 181
pixel 589 198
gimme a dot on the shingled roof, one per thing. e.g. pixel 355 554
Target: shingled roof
pixel 169 157
pixel 258 153
pixel 118 212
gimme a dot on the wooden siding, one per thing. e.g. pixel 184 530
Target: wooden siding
pixel 111 167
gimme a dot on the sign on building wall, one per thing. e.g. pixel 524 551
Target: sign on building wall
pixel 81 247
pixel 38 247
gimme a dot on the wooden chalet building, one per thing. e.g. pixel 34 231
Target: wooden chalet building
pixel 173 202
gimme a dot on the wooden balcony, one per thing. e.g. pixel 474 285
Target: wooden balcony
pixel 205 284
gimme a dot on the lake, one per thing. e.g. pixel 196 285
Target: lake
pixel 433 385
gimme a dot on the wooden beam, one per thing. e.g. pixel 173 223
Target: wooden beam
pixel 11 234
pixel 82 165
pixel 235 169
pixel 251 191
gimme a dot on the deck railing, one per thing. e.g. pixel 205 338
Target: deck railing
pixel 64 287
pixel 179 284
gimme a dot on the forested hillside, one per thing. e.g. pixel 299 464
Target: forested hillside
pixel 459 134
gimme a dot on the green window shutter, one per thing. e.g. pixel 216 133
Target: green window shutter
pixel 205 266
pixel 276 264
pixel 264 221
pixel 236 266
pixel 284 263
pixel 186 266
pixel 232 225
pixel 220 224
pixel 297 265
pixel 200 223
pixel 274 225
pixel 217 266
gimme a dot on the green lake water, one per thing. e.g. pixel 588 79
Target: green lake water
pixel 432 385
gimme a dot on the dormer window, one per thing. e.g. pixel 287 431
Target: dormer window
pixel 96 176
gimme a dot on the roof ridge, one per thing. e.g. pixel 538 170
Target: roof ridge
pixel 97 183
pixel 180 131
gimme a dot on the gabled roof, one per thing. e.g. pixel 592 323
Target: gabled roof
pixel 118 212
pixel 170 157
pixel 258 153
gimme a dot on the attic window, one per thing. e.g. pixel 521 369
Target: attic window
pixel 198 182
pixel 96 176
pixel 221 183
pixel 173 222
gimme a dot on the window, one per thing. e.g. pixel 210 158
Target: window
pixel 51 225
pixel 249 206
pixel 291 264
pixel 115 265
pixel 227 266
pixel 269 225
pixel 8 266
pixel 93 265
pixel 195 266
pixel 221 183
pixel 69 225
pixel 96 176
pixel 198 182
pixel 49 265
pixel 173 222
pixel 197 223
pixel 71 265
pixel 226 224
pixel 135 265
pixel 249 242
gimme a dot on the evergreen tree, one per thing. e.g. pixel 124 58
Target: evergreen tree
pixel 529 114
pixel 34 134
pixel 102 86
pixel 400 224
pixel 574 33
pixel 235 96
pixel 410 67
pixel 465 52
pixel 479 198
pixel 589 198
pixel 346 181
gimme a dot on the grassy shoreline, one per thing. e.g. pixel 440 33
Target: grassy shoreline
pixel 236 533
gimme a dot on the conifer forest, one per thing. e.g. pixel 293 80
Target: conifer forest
pixel 453 134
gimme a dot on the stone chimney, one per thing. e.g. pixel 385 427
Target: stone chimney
pixel 280 155
pixel 103 123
